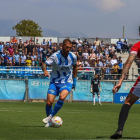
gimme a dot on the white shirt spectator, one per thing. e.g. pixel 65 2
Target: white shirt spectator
pixel 113 61
pixel 79 42
pixel 85 64
pixel 85 55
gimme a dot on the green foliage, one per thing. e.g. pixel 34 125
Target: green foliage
pixel 27 28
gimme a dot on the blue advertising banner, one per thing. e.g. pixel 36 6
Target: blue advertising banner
pixel 38 89
pixel 82 91
pixel 120 98
pixel 12 90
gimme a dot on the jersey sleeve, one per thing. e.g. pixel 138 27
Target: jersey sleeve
pixel 134 49
pixel 50 60
pixel 74 59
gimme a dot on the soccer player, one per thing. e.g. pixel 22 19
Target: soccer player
pixel 62 80
pixel 133 95
pixel 94 88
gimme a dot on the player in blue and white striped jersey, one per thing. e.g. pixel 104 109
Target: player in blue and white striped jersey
pixel 64 63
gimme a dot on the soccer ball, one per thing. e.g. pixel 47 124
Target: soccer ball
pixel 56 122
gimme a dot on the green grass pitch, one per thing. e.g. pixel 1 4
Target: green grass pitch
pixel 80 121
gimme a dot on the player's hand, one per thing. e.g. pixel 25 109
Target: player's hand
pixel 116 88
pixel 100 89
pixel 46 73
pixel 74 83
pixel 91 90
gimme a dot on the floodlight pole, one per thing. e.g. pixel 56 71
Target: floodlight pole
pixel 123 32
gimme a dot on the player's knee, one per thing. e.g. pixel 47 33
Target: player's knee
pixel 62 98
pixel 49 103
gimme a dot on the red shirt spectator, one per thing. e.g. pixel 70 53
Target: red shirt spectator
pixel 14 40
pixel 11 50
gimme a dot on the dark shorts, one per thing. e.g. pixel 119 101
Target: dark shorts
pixel 95 91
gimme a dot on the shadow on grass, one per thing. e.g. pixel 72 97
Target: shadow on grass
pixel 32 126
pixel 105 137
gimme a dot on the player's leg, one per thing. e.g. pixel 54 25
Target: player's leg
pixel 64 91
pixel 99 99
pixel 93 98
pixel 130 100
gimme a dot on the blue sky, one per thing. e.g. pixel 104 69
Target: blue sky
pixel 73 18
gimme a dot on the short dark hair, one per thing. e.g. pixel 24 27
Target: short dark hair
pixel 66 41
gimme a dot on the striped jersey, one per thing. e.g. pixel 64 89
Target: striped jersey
pixel 62 67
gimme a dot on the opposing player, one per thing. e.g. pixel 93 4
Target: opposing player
pixel 95 82
pixel 62 80
pixel 133 95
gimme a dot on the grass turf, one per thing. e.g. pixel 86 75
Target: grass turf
pixel 80 121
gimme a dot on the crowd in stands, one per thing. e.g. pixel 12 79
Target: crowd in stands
pixel 99 55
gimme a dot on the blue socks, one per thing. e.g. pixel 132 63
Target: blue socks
pixel 57 107
pixel 48 110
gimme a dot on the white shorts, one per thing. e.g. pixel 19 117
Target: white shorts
pixel 136 88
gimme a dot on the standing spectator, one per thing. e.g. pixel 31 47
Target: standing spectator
pixel 20 45
pixel 115 70
pixel 94 46
pixel 79 42
pixel 37 41
pixel 113 60
pixel 97 41
pixel 11 50
pixel 29 48
pixel 44 54
pixel 79 52
pixel 85 55
pixel 120 64
pixel 94 88
pixel 50 43
pixel 31 40
pixel 14 40
pixel 1 47
pixel 23 59
pixel 39 51
pixel 125 45
pixel 119 46
pixel 44 42
pixel 28 61
pixel 20 41
pixel 16 59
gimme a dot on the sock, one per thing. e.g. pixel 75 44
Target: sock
pixel 99 99
pixel 57 107
pixel 94 99
pixel 123 116
pixel 48 110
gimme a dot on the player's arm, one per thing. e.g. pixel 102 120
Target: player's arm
pixel 75 69
pixel 125 71
pixel 44 69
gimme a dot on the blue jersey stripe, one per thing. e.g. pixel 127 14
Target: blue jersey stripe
pixel 58 76
pixel 67 77
pixel 59 59
pixel 66 61
pixel 72 59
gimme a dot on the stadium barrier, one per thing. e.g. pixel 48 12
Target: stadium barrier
pixel 13 86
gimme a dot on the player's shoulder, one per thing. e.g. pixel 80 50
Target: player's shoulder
pixel 137 44
pixel 72 54
pixel 135 47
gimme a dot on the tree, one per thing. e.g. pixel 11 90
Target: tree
pixel 27 28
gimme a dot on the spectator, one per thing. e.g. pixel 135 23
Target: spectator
pixel 85 42
pixel 44 54
pixel 111 47
pixel 115 70
pixel 102 44
pixel 119 58
pixel 33 56
pixel 11 50
pixel 98 66
pixel 74 44
pixel 16 59
pixel 113 60
pixel 119 46
pixel 85 63
pixel 85 55
pixel 89 51
pixel 103 69
pixel 14 40
pixel 108 71
pixel 20 41
pixel 98 55
pixel 103 52
pixel 54 50
pixel 37 41
pixel 50 43
pixel 94 46
pixel 96 51
pixel 23 59
pixel 2 61
pixel 29 48
pixel 36 62
pixel 79 42
pixel 28 61
pixel 125 45
pixel 93 55
pixel 97 41
pixel 79 52
pixel 20 46
pixel 108 61
pixel 31 40
pixel 111 54
pixel 10 60
pixel 49 53
pixel 79 64
pixel 73 50
pixel 1 47
pixel 120 64
pixel 44 42
pixel 106 53
pixel 39 51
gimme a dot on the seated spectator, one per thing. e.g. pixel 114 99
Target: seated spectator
pixel 49 53
pixel 79 52
pixel 14 40
pixel 111 54
pixel 94 46
pixel 96 51
pixel 74 44
pixel 54 50
pixel 79 42
pixel 36 62
pixel 119 58
pixel 103 52
pixel 16 59
pixel 44 54
pixel 85 63
pixel 115 70
pixel 85 42
pixel 28 61
pixel 89 51
pixel 119 46
pixel 73 50
pixel 98 55
pixel 93 55
pixel 44 42
pixel 98 66
pixel 39 51
pixel 23 59
pixel 103 69
pixel 111 47
pixel 85 55
pixel 2 61
pixel 108 61
pixel 20 41
pixel 1 47
pixel 102 44
pixel 113 60
pixel 10 60
pixel 108 71
pixel 11 50
pixel 20 46
pixel 97 41
pixel 120 64
pixel 33 56
pixel 106 53
pixel 79 64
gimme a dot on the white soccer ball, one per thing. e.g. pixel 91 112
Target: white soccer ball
pixel 56 122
